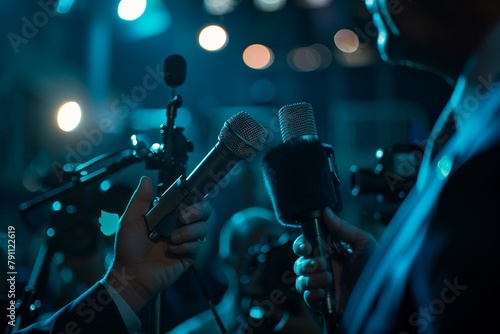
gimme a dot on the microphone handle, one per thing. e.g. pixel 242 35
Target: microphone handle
pixel 207 176
pixel 315 233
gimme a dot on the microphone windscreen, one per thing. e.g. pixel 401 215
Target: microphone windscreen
pixel 243 135
pixel 174 70
pixel 297 120
pixel 298 179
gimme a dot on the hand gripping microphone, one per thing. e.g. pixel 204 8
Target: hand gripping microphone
pixel 301 178
pixel 241 137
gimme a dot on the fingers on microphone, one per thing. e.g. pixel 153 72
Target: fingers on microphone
pixel 301 246
pixel 190 233
pixel 307 266
pixel 313 287
pixel 186 248
pixel 188 238
pixel 313 298
pixel 199 211
pixel 342 229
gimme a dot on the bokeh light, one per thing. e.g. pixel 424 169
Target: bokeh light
pixel 64 6
pixel 213 38
pixel 346 40
pixel 130 10
pixel 269 5
pixel 69 116
pixel 312 58
pixel 258 56
pixel 219 7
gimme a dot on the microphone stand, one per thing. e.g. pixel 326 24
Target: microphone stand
pixel 82 177
pixel 171 161
pixel 28 307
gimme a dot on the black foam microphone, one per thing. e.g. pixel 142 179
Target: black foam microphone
pixel 174 70
pixel 301 178
pixel 241 137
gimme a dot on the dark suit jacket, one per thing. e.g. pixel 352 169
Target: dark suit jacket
pixel 434 271
pixel 93 312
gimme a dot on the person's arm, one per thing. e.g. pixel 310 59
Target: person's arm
pixel 130 318
pixel 141 269
pixel 92 312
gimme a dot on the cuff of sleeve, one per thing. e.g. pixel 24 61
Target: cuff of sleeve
pixel 131 320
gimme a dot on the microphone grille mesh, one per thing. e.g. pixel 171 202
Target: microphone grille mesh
pixel 297 120
pixel 243 135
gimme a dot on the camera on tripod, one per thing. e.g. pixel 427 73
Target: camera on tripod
pixel 392 178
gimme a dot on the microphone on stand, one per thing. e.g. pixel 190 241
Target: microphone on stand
pixel 241 137
pixel 301 178
pixel 170 160
pixel 174 70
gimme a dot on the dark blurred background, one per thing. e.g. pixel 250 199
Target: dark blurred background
pixel 324 52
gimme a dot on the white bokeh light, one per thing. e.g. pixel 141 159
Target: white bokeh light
pixel 213 38
pixel 69 116
pixel 130 10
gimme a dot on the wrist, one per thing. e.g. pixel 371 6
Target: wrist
pixel 124 283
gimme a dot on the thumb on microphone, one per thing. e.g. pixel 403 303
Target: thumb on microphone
pixel 141 199
pixel 356 238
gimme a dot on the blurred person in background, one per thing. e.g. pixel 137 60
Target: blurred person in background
pixel 256 256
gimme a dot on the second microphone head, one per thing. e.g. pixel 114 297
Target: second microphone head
pixel 243 135
pixel 297 120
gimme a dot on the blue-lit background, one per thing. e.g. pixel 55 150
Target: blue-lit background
pixel 322 52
